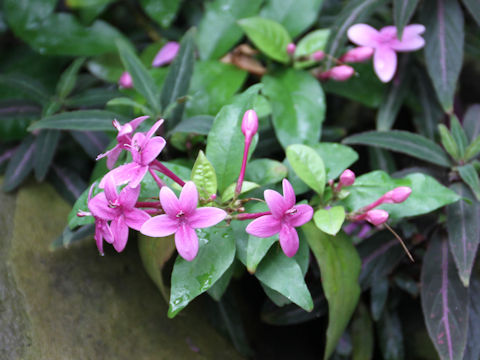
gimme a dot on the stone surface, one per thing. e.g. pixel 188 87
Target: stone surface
pixel 75 304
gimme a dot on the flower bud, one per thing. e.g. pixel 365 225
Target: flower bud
pixel 126 80
pixel 340 73
pixel 318 55
pixel 358 54
pixel 291 48
pixel 347 178
pixel 249 124
pixel 376 216
pixel 398 195
pixel 166 54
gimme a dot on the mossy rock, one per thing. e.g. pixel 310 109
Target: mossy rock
pixel 75 304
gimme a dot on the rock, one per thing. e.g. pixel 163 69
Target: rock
pixel 75 304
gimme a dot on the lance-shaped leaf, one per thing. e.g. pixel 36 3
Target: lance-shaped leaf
pixel 33 89
pixel 362 334
pixel 444 301
pixel 45 146
pixel 93 120
pixel 191 278
pixel 463 231
pixel 204 177
pixel 391 336
pixel 69 184
pixel 378 297
pixel 448 141
pixel 431 111
pixel 402 13
pixel 177 82
pixel 162 11
pixel 470 176
pixel 93 143
pixel 339 267
pixel 459 135
pixel 69 236
pixel 403 142
pixel 472 350
pixel 20 164
pixel 444 47
pixel 67 81
pixel 474 7
pixel 471 122
pixel 298 104
pixel 308 165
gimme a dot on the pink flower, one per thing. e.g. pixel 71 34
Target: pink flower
pixel 124 139
pixel 166 54
pixel 291 48
pixel 284 218
pixel 144 149
pixel 358 54
pixel 385 44
pixel 120 209
pixel 347 178
pixel 182 218
pixel 397 195
pixel 376 216
pixel 318 55
pixel 126 80
pixel 250 124
pixel 338 73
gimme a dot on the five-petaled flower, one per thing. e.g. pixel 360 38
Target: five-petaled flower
pixel 181 218
pixel 285 217
pixel 385 44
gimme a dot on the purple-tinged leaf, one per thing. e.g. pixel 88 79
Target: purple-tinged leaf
pixel 444 39
pixel 67 182
pixel 473 7
pixel 32 88
pixel 390 333
pixel 444 301
pixel 93 142
pixel 20 164
pixel 45 145
pixel 463 231
pixel 378 297
pixel 431 111
pixel 402 13
pixel 471 121
pixel 472 351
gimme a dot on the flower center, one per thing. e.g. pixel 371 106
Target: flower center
pixel 291 211
pixel 113 204
pixel 180 214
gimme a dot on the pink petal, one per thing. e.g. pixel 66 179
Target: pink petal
pixel 100 209
pixel 166 54
pixel 138 175
pixel 137 121
pixel 302 216
pixel 289 240
pixel 206 217
pixel 264 226
pixel 276 203
pixel 186 241
pixel 110 188
pixel 169 202
pixel 159 226
pixel 408 43
pixel 385 63
pixel 121 174
pixel 154 129
pixel 101 228
pixel 189 197
pixel 135 218
pixel 413 30
pixel 151 150
pixel 288 193
pixel 112 157
pixel 120 233
pixel 128 196
pixel 363 35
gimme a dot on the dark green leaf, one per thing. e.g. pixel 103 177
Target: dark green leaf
pixel 474 7
pixel 93 142
pixel 33 89
pixel 200 124
pixel 204 177
pixel 473 149
pixel 378 297
pixel 295 15
pixel 92 98
pixel 20 164
pixel 269 37
pixel 107 67
pixel 471 122
pixel 177 82
pixel 403 142
pixel 330 220
pixel 162 11
pixel 459 135
pixel 69 184
pixel 15 117
pixel 298 104
pixel 336 158
pixel 362 333
pixel 391 336
pixel 472 350
pixel 70 236
pixel 45 146
pixel 226 141
pixel 142 80
pixel 444 301
pixel 340 267
pixel 219 288
pixel 308 165
pixel 69 78
pixel 218 30
pixel 191 278
pixel 125 101
pixel 257 249
pixel 93 120
pixel 381 159
pixel 431 111
pixel 448 142
pixel 266 171
pixel 470 176
pixel 444 47
pixel 402 13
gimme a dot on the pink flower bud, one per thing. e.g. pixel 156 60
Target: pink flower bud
pixel 340 73
pixel 249 123
pixel 398 195
pixel 376 216
pixel 166 54
pixel 347 178
pixel 291 48
pixel 126 80
pixel 358 54
pixel 318 55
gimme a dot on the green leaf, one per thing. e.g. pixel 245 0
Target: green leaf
pixel 336 157
pixel 155 253
pixel 191 278
pixel 45 146
pixel 69 78
pixel 444 301
pixel 20 164
pixel 403 142
pixel 298 104
pixel 308 165
pixel 473 149
pixel 177 82
pixel 295 15
pixel 472 350
pixel 162 11
pixel 218 289
pixel 312 42
pixel 142 80
pixel 67 182
pixel 391 336
pixel 15 117
pixel 269 37
pixel 70 236
pixel 459 135
pixel 362 334
pixel 125 101
pixel 95 120
pixel 257 249
pixel 444 47
pixel 471 122
pixel 330 221
pixel 431 111
pixel 284 275
pixel 266 171
pixel 427 194
pixel 225 141
pixel 218 30
pixel 204 177
pixel 230 190
pixel 473 7
pixel 86 3
pixel 33 89
pixel 339 267
pixel 200 124
pixel 470 176
pixel 448 141
pixel 402 13
pixel 107 67
pixel 378 297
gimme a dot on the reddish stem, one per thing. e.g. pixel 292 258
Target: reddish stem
pixel 148 204
pixel 249 216
pixel 241 176
pixel 159 181
pixel 157 165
